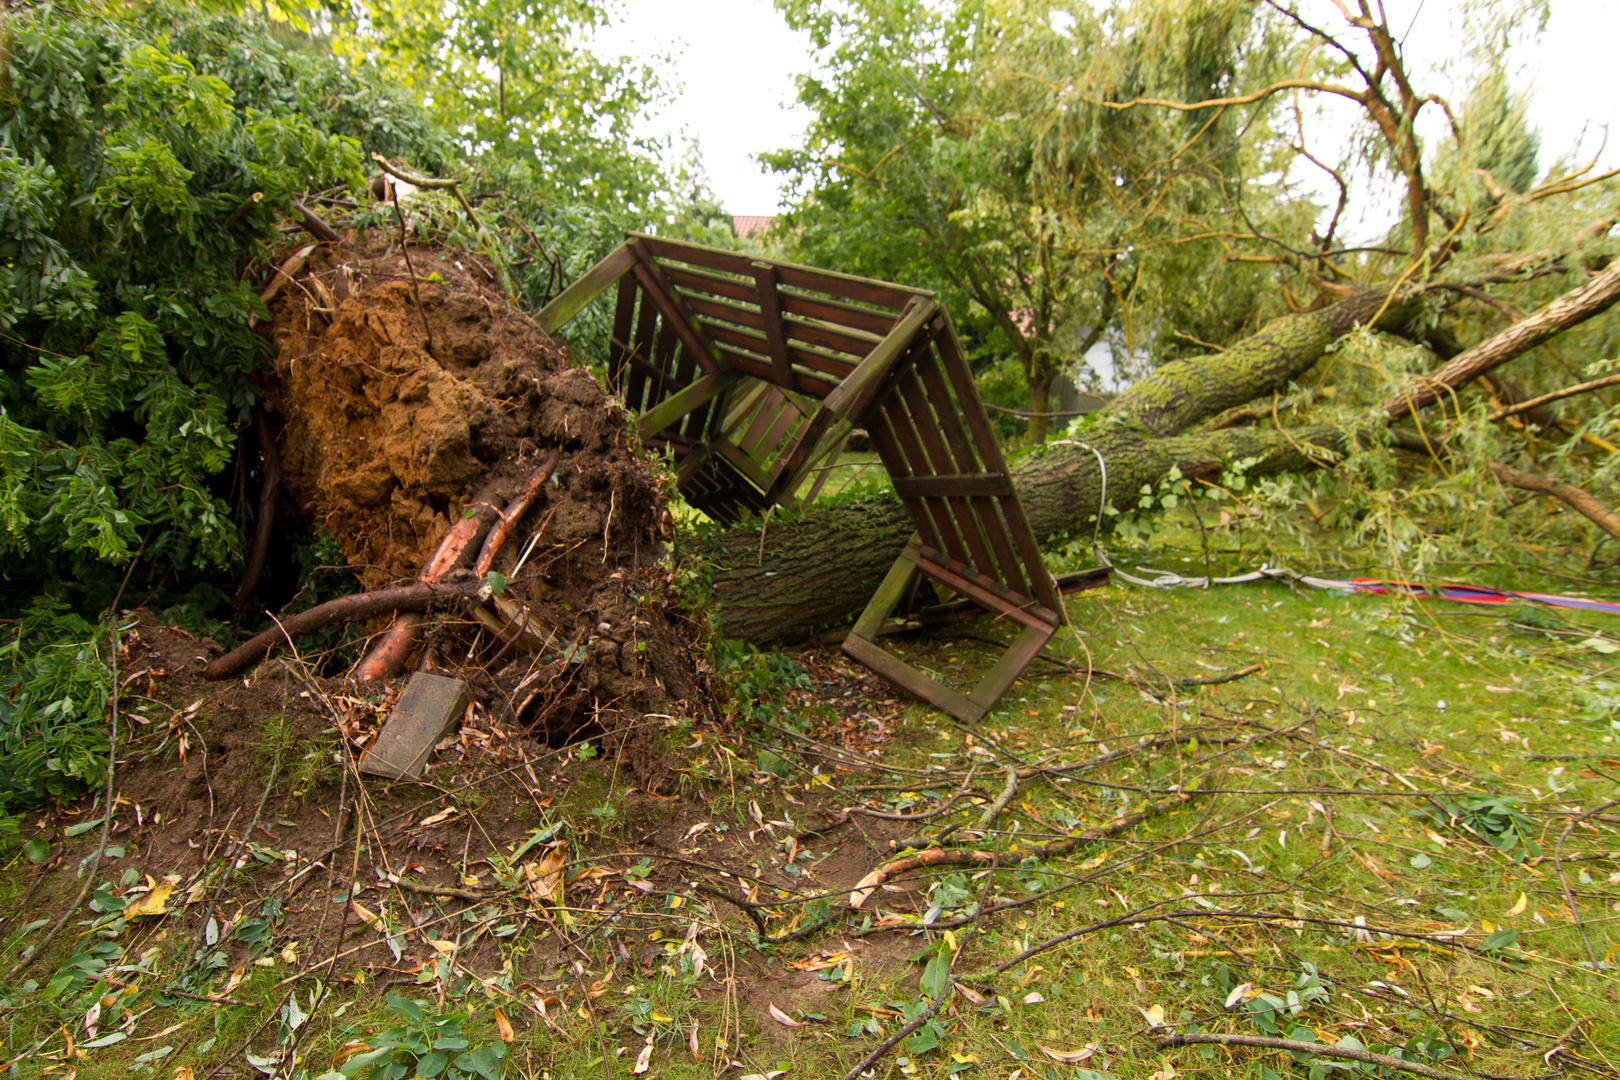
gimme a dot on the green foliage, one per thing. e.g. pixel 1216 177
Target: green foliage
pixel 428 1044
pixel 515 82
pixel 1495 819
pixel 52 708
pixel 125 182
pixel 965 148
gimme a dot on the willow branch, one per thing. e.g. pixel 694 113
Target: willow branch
pixel 1556 395
pixel 1578 499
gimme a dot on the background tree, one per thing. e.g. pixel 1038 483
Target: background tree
pixel 516 82
pixel 958 147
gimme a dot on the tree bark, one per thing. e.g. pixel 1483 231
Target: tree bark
pixel 1576 306
pixel 820 569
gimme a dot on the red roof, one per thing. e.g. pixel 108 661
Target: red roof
pixel 746 225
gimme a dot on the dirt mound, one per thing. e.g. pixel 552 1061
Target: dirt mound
pixel 402 388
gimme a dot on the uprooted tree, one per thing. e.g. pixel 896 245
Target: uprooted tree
pixel 407 397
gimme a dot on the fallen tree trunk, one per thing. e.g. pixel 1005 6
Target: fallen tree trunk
pixel 819 569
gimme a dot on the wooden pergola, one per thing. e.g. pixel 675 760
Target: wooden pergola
pixel 752 372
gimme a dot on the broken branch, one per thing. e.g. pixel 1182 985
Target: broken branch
pixel 1576 306
pixel 1345 1052
pixel 1556 395
pixel 1578 499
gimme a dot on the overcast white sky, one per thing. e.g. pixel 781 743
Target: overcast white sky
pixel 734 63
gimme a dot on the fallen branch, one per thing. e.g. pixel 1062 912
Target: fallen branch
pixel 1348 1053
pixel 970 857
pixel 403 598
pixel 1578 499
pixel 417 180
pixel 1576 306
pixel 1556 395
pixel 441 890
pixel 317 228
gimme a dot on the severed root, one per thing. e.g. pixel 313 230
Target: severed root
pixel 514 511
pixel 386 659
pixel 406 598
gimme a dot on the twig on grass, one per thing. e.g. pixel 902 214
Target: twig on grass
pixel 1165 1042
pixel 1563 879
pixel 972 857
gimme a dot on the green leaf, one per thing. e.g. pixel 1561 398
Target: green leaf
pixel 936 975
pixel 497 583
pixel 1420 861
pixel 35 849
pixel 410 1010
pixel 431 1064
pixel 1499 939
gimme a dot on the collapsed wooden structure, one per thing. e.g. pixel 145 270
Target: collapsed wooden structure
pixel 751 373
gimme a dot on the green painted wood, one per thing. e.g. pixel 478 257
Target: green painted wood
pixel 678 405
pixel 999 679
pixel 573 299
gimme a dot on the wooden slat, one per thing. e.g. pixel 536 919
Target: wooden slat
pixel 770 308
pixel 895 585
pixel 917 464
pixel 815 384
pixel 745 465
pixel 838 313
pixel 961 485
pixel 1004 597
pixel 808 334
pixel 986 511
pixel 978 422
pixel 861 290
pixel 888 448
pixel 978 590
pixel 694 279
pixel 999 679
pixel 596 280
pixel 754 341
pixel 864 290
pixel 672 308
pixel 911 680
pixel 680 404
pixel 639 394
pixel 624 313
pixel 927 427
pixel 804 313
pixel 860 386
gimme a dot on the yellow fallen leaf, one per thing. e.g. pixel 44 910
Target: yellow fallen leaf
pixel 183 1072
pixel 548 873
pixel 368 917
pixel 1092 864
pixel 154 901
pixel 1518 908
pixel 1069 1057
pixel 234 981
pixel 504 1026
pixel 441 946
pixel 1153 1015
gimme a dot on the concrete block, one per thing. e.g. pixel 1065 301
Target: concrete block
pixel 429 707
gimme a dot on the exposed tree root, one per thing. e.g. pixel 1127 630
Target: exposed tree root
pixel 405 598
